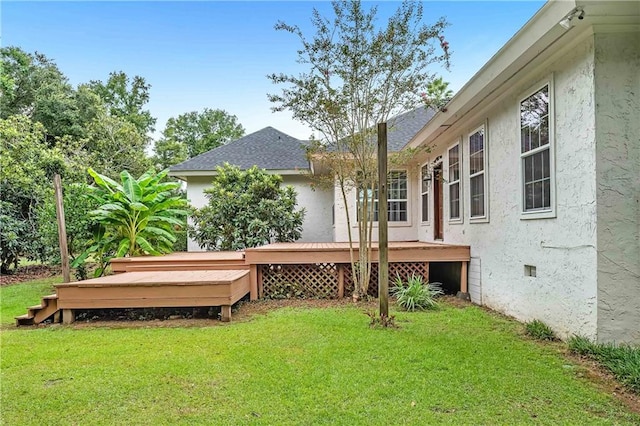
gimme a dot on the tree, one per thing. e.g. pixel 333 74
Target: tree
pixel 437 95
pixel 193 133
pixel 134 217
pixel 246 209
pixel 33 86
pixel 357 76
pixel 26 167
pixel 126 98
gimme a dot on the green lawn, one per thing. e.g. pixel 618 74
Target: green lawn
pixel 298 366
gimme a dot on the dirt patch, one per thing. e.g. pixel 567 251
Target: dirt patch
pixel 603 379
pixel 29 273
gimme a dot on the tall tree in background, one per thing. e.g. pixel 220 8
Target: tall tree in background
pixel 126 98
pixel 194 133
pixel 49 126
pixel 358 75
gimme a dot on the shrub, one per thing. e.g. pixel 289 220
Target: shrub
pixel 622 360
pixel 539 330
pixel 246 208
pixel 415 294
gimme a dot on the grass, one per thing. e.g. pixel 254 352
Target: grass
pixel 298 366
pixel 15 298
pixel 623 361
pixel 539 330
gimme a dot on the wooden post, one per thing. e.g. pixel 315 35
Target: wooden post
pixel 226 313
pixel 68 316
pixel 253 278
pixel 464 288
pixel 383 235
pixel 340 280
pixel 62 229
pixel 463 278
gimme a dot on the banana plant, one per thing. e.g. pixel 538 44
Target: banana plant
pixel 136 217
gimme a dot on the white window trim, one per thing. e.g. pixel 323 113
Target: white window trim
pixel 485 156
pixel 390 224
pixel 428 192
pixel 551 212
pixel 458 220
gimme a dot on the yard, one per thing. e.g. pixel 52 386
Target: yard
pixel 293 363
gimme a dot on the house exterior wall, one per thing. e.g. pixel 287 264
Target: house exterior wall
pixel 317 203
pixel 562 248
pixel 617 95
pixel 398 231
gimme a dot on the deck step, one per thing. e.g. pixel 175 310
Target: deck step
pixel 39 313
pixel 25 319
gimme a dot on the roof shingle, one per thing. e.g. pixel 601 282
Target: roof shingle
pixel 267 148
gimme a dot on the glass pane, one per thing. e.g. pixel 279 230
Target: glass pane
pixel 528 196
pixel 534 120
pixel 454 201
pixel 425 207
pixel 425 179
pixel 546 197
pixel 477 195
pixel 454 168
pixel 537 195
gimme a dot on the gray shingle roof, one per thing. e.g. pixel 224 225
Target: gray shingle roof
pixel 402 128
pixel 267 148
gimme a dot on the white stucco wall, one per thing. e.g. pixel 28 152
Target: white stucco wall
pixel 617 94
pixel 563 248
pixel 398 231
pixel 317 203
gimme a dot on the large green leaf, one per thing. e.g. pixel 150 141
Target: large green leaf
pixel 131 187
pixel 160 232
pixel 123 247
pixel 138 207
pixel 104 181
pixel 145 245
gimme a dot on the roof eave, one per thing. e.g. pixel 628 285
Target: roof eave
pixel 538 33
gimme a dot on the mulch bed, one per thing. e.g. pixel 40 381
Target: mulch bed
pixel 28 273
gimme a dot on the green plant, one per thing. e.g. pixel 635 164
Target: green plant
pixel 246 208
pixel 622 360
pixel 539 330
pixel 416 294
pixel 137 217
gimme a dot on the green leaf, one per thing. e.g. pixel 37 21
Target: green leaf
pixel 146 246
pixel 138 207
pixel 123 247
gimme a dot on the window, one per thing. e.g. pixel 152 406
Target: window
pixel 397 197
pixel 477 178
pixel 424 192
pixel 454 183
pixel 535 152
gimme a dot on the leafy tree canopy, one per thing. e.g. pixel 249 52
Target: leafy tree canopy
pixel 246 208
pixel 126 97
pixel 194 133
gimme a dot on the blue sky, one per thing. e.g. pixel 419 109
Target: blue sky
pixel 211 54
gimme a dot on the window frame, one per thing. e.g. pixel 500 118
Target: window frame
pixel 485 172
pixel 375 200
pixel 550 212
pixel 424 192
pixel 459 181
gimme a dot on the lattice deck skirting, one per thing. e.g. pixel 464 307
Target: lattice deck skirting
pixel 323 280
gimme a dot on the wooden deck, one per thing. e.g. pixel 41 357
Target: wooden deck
pixel 222 278
pixel 156 289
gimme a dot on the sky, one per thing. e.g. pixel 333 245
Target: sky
pixel 214 54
